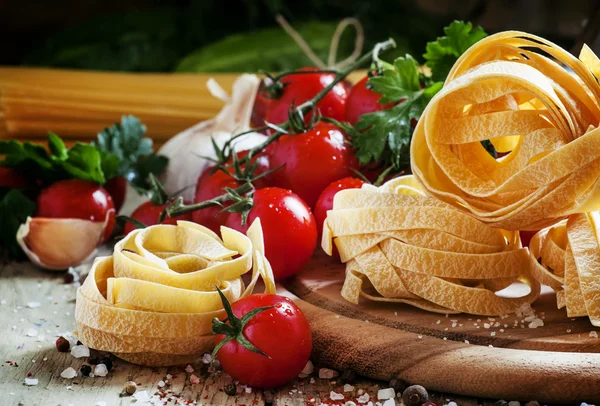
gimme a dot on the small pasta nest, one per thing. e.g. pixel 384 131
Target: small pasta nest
pixel 402 246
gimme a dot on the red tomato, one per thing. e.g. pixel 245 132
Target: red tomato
pixel 117 188
pixel 299 88
pixel 312 160
pixel 282 332
pixel 210 186
pixel 362 100
pixel 148 213
pixel 77 199
pixel 289 229
pixel 13 179
pixel 262 101
pixel 325 201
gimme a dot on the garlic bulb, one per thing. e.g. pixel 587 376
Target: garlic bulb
pixel 188 150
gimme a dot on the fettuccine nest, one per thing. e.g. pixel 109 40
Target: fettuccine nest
pixel 402 246
pixel 569 262
pixel 532 100
pixel 153 301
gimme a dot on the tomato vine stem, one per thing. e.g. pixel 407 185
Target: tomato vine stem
pixel 178 208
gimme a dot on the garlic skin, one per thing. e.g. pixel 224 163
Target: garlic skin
pixel 56 244
pixel 188 150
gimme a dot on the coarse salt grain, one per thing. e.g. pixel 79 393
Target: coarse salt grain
pixel 80 351
pixel 68 373
pixel 100 370
pixel 335 396
pixel 33 305
pixel 349 403
pixel 194 379
pixel 486 325
pixel 514 403
pixel 32 332
pixel 308 369
pixel 387 393
pixel 161 384
pixel 100 403
pixel 389 402
pixel 593 334
pixel 364 398
pixel 536 323
pixel 451 404
pixel 312 380
pixel 248 389
pixel 31 381
pixel 206 358
pixel 326 373
pixel 141 396
pixel 2 302
pixel 348 388
pixel 189 369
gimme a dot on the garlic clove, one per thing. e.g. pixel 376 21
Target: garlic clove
pixel 57 244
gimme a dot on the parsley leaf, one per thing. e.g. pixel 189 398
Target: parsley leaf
pixel 442 53
pixel 82 161
pixel 384 136
pixel 15 207
pixel 124 143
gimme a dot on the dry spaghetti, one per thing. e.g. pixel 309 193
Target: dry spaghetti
pixel 153 301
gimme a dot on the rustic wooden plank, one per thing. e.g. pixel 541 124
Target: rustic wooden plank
pixel 386 340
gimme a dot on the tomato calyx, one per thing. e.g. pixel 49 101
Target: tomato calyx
pixel 233 327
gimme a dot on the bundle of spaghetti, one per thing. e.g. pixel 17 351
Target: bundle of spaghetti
pixel 402 246
pixel 566 257
pixel 539 107
pixel 153 301
pixel 79 104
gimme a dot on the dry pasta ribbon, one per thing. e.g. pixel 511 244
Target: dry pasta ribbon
pixel 538 105
pixel 152 302
pixel 566 257
pixel 402 246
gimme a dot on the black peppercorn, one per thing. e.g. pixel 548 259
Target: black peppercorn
pixel 230 389
pixel 85 370
pixel 415 395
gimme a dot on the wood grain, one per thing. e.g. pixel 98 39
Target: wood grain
pixel 384 341
pixel 21 283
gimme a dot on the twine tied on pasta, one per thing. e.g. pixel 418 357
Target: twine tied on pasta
pixel 153 301
pixel 538 105
pixel 402 246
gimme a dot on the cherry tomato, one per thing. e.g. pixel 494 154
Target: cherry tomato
pixel 211 185
pixel 289 229
pixel 325 201
pixel 302 87
pixel 148 213
pixel 13 179
pixel 117 188
pixel 362 100
pixel 312 160
pixel 282 332
pixel 77 199
pixel 262 101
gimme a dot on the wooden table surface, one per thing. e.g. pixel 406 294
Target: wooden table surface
pixel 28 333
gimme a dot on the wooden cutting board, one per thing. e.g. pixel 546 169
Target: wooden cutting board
pixel 462 354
